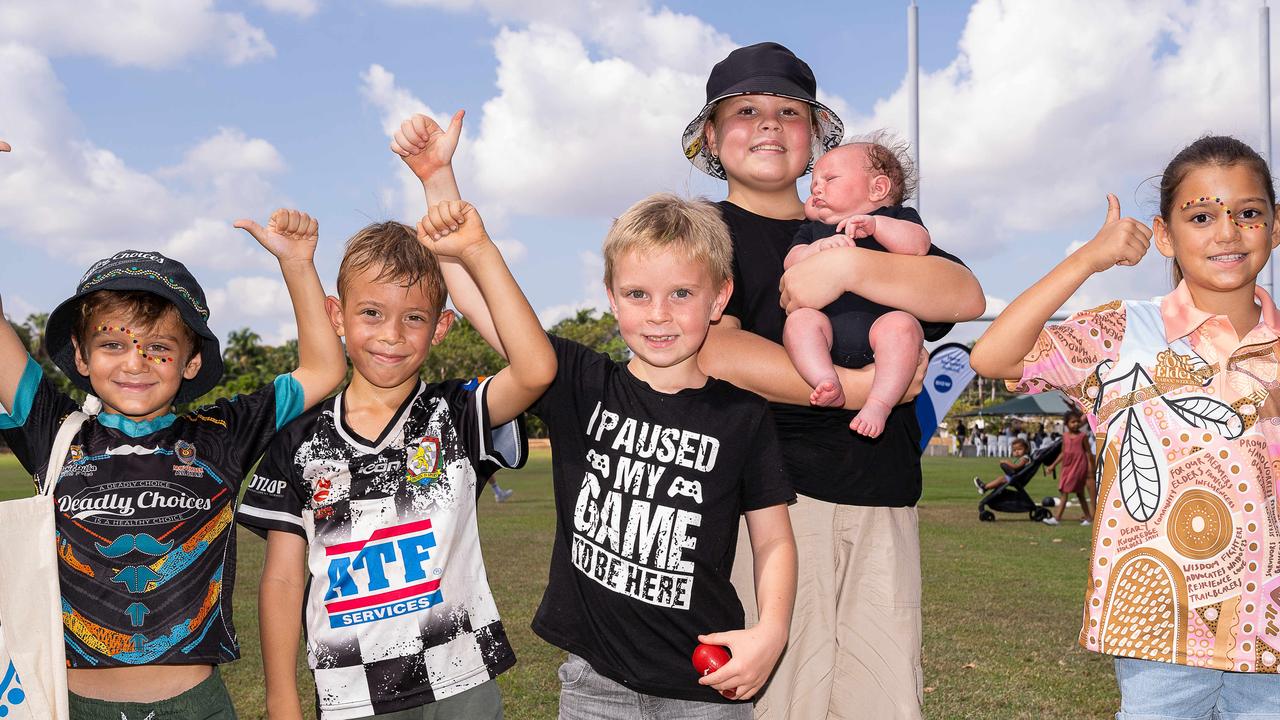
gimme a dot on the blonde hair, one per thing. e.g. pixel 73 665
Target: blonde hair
pixel 394 249
pixel 693 228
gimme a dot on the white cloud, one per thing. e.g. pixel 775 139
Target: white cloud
pixel 65 196
pixel 1045 109
pixel 591 274
pixel 256 301
pixel 300 8
pixel 147 33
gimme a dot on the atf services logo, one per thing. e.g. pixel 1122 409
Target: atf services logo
pixel 424 460
pixel 383 577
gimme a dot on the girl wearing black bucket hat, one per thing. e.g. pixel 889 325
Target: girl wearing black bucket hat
pixel 855 628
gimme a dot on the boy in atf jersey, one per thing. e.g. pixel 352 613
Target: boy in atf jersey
pixel 376 490
pixel 654 463
pixel 146 499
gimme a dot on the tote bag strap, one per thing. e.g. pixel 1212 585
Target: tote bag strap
pixel 61 446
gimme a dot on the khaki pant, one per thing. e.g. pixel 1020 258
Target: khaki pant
pixel 854 649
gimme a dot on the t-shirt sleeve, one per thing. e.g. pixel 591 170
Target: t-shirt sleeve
pixel 804 236
pixel 575 363
pixel 1066 355
pixel 900 212
pixel 277 494
pixel 488 448
pixel 253 419
pixel 31 425
pixel 764 480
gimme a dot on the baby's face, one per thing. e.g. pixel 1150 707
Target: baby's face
pixel 841 186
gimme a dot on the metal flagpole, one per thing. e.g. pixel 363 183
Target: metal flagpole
pixel 913 90
pixel 1266 279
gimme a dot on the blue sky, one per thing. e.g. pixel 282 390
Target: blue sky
pixel 189 114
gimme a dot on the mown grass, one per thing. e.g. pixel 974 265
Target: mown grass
pixel 1002 602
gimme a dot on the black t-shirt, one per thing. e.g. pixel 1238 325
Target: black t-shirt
pixel 825 459
pixel 649 488
pixel 144 515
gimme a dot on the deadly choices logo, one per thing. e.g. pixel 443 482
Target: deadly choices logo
pixel 133 503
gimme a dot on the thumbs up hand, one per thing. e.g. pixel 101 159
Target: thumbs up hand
pixel 1121 241
pixel 4 146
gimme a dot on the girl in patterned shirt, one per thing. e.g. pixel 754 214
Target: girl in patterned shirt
pixel 1184 586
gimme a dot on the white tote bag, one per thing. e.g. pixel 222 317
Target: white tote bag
pixel 33 665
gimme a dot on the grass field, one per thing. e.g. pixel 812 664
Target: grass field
pixel 1001 602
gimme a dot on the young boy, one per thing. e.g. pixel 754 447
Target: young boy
pixel 654 462
pixel 375 490
pixel 856 200
pixel 145 502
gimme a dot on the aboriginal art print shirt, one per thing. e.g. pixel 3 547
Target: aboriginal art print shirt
pixel 1185 565
pixel 398 609
pixel 144 511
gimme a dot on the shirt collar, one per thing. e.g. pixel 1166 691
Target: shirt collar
pixel 134 428
pixel 1182 317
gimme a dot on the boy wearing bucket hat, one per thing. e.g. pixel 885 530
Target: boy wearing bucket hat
pixel 146 498
pixel 855 630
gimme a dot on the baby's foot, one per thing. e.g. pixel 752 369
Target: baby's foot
pixel 870 419
pixel 828 393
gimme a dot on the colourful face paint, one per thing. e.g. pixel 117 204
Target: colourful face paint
pixel 137 345
pixel 1243 226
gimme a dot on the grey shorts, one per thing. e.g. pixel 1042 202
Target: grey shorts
pixel 482 702
pixel 587 695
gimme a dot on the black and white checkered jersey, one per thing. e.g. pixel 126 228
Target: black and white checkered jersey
pixel 398 608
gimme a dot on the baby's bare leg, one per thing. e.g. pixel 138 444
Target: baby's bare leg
pixel 896 338
pixel 807 338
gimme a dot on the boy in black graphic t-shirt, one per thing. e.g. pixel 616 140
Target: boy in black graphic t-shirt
pixel 654 463
pixel 144 504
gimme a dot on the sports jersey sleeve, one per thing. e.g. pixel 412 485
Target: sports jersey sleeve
pixel 489 449
pixel 276 495
pixel 1065 355
pixel 253 419
pixel 764 481
pixel 31 425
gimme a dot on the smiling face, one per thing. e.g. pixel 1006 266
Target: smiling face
pixel 389 329
pixel 664 304
pixel 843 185
pixel 135 369
pixel 1221 229
pixel 764 141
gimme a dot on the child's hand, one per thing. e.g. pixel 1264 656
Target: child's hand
pixel 1121 241
pixel 290 234
pixel 452 228
pixel 858 226
pixel 755 651
pixel 4 146
pixel 423 146
pixel 835 241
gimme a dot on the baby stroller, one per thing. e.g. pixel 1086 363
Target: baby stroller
pixel 1012 497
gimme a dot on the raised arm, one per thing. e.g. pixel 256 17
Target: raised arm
pixel 1000 351
pixel 280 597
pixel 13 360
pixel 291 237
pixel 932 288
pixel 428 151
pixel 897 236
pixel 515 324
pixel 762 366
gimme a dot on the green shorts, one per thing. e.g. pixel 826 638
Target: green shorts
pixel 207 701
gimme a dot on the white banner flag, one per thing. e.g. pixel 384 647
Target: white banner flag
pixel 947 376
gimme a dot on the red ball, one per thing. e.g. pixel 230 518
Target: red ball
pixel 709 658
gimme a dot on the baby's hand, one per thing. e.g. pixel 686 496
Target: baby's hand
pixel 858 226
pixel 755 651
pixel 290 234
pixel 1121 241
pixel 835 241
pixel 423 146
pixel 4 146
pixel 452 228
